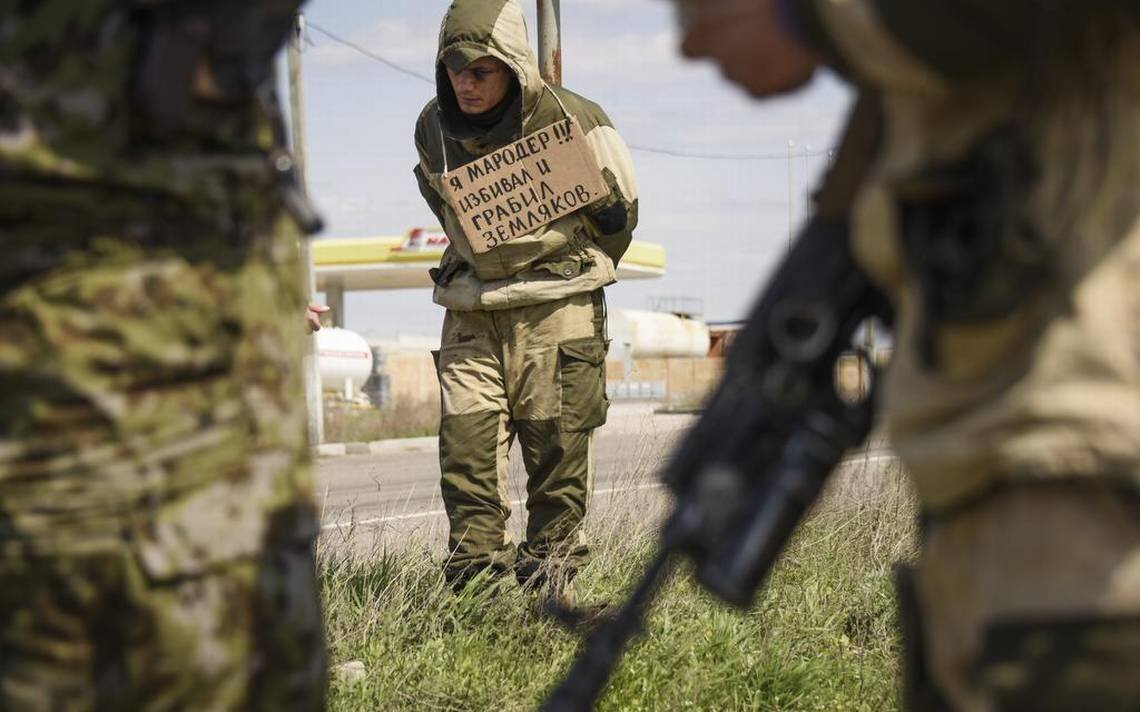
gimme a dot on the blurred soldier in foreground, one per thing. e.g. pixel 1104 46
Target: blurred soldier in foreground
pixel 524 339
pixel 1000 214
pixel 985 201
pixel 155 510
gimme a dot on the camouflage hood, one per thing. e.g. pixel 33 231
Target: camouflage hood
pixel 478 28
pixel 576 253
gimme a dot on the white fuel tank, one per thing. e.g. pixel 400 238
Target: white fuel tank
pixel 644 334
pixel 345 360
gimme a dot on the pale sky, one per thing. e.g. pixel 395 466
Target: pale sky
pixel 722 222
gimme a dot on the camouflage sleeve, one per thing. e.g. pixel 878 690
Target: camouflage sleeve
pixel 430 196
pixel 615 216
pixel 424 168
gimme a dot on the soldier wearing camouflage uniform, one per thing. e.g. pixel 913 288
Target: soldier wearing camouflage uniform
pixel 156 519
pixel 524 340
pixel 1002 213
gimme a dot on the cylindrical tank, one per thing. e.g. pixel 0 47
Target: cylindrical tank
pixel 643 334
pixel 345 360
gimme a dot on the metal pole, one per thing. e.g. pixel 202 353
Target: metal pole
pixel 297 123
pixel 791 199
pixel 334 297
pixel 805 177
pixel 550 41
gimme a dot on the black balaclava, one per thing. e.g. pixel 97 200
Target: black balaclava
pixel 492 117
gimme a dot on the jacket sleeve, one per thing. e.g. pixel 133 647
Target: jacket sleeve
pixel 616 216
pixel 432 198
pixel 422 169
pixel 917 45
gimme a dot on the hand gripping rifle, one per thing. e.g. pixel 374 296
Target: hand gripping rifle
pixel 773 431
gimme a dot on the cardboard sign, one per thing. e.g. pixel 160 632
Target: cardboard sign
pixel 521 187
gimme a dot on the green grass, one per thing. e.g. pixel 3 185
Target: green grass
pixel 820 637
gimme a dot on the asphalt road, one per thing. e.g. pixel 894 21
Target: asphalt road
pixel 386 500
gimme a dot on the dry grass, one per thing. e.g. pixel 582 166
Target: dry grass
pixel 404 420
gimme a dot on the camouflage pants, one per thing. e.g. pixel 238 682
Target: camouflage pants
pixel 155 501
pixel 537 372
pixel 1030 600
pixel 96 632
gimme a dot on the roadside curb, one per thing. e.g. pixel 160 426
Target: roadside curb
pixel 652 422
pixel 377 447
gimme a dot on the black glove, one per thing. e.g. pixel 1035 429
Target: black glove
pixel 610 214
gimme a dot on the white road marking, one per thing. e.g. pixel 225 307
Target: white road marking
pixel 855 460
pixel 442 512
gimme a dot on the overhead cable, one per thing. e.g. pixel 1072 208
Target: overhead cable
pixel 728 156
pixel 370 54
pixel 633 146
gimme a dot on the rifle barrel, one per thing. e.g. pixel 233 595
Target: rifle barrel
pixel 584 683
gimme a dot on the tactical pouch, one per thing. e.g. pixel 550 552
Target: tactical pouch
pixel 1089 664
pixel 968 238
pixel 582 366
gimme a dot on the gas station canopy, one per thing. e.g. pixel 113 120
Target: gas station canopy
pixel 402 262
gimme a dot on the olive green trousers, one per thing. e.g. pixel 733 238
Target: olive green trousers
pixel 536 373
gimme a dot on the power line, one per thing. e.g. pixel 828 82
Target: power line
pixel 633 146
pixel 725 156
pixel 370 54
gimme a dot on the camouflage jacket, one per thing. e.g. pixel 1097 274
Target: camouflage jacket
pixel 149 285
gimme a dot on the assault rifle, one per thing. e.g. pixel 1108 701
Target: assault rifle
pixel 758 457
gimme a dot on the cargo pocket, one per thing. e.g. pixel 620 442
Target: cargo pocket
pixel 1080 663
pixel 582 365
pixel 569 267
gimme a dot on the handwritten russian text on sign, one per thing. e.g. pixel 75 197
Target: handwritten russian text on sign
pixel 521 187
